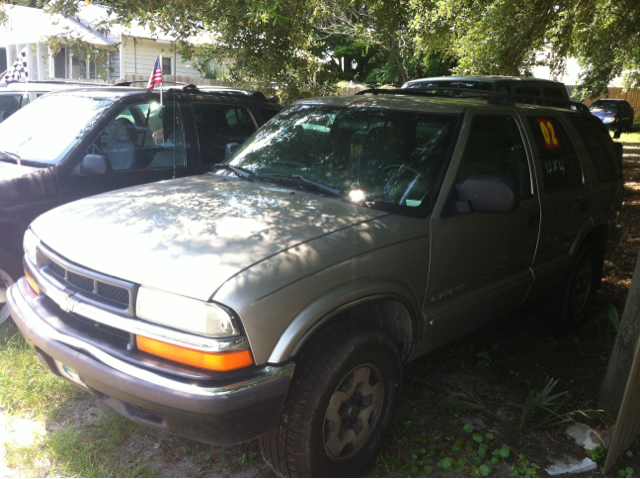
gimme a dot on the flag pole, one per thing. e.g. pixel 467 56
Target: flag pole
pixel 161 80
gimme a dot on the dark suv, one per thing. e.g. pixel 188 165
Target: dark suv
pixel 76 143
pixel 278 295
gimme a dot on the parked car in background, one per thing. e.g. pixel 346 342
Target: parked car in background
pixel 76 143
pixel 546 89
pixel 19 94
pixel 278 295
pixel 615 114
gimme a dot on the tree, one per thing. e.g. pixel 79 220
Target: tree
pixel 506 36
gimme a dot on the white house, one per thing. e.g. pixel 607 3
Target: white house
pixel 134 49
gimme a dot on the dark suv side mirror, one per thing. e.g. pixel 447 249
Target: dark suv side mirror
pixel 230 148
pixel 94 165
pixel 487 194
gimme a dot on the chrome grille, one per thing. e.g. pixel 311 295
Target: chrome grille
pixel 114 293
pixel 94 287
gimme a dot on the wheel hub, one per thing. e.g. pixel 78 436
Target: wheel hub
pixel 353 412
pixel 582 287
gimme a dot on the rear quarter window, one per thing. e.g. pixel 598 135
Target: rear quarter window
pixel 557 156
pixel 599 146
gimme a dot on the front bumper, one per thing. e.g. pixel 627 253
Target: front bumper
pixel 231 413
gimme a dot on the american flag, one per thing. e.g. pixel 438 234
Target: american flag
pixel 156 75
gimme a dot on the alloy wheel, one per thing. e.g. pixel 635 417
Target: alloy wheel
pixel 353 412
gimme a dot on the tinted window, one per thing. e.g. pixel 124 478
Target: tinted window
pixel 558 159
pixel 143 136
pixel 379 156
pixel 9 104
pixel 599 146
pixel 495 147
pixel 553 93
pixel 529 91
pixel 267 113
pixel 218 125
pixel 503 89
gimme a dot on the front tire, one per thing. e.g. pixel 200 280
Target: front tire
pixel 340 406
pixel 10 271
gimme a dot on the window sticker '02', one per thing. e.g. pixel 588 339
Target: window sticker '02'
pixel 549 133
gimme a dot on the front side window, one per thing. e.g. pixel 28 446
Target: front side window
pixel 143 136
pixel 378 156
pixel 495 147
pixel 218 125
pixel 558 159
pixel 50 127
pixel 9 104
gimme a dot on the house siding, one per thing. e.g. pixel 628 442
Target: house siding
pixel 141 57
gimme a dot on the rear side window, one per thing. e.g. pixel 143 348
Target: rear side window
pixel 558 159
pixel 529 91
pixel 495 147
pixel 217 125
pixel 267 113
pixel 553 93
pixel 599 147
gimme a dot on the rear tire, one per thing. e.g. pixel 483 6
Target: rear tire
pixel 567 307
pixel 340 405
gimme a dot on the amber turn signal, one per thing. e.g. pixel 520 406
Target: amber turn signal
pixel 32 283
pixel 200 359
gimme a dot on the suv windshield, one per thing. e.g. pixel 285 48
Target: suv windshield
pixel 375 156
pixel 604 105
pixel 50 127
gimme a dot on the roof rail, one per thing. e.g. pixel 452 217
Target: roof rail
pixel 190 87
pixel 494 98
pixel 58 82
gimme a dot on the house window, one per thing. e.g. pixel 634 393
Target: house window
pixel 166 66
pixel 59 64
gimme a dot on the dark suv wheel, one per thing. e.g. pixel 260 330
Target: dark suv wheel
pixel 566 308
pixel 340 405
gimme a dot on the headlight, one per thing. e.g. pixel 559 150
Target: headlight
pixel 609 119
pixel 183 313
pixel 29 244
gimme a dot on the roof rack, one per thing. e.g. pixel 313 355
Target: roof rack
pixel 190 87
pixel 494 98
pixel 58 82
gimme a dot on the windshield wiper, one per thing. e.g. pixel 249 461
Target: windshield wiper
pixel 7 155
pixel 241 172
pixel 301 179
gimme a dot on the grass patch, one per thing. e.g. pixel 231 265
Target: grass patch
pixel 105 447
pixel 632 136
pixel 27 387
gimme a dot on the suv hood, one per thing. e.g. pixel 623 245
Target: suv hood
pixel 189 236
pixel 10 171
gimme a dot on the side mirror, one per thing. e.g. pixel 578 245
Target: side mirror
pixel 94 165
pixel 230 149
pixel 487 194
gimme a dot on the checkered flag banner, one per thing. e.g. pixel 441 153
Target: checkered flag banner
pixel 19 71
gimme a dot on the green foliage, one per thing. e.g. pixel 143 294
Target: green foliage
pixel 524 468
pixel 545 402
pixel 627 472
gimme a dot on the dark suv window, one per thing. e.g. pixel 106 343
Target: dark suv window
pixel 144 136
pixel 218 125
pixel 559 161
pixel 599 146
pixel 495 147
